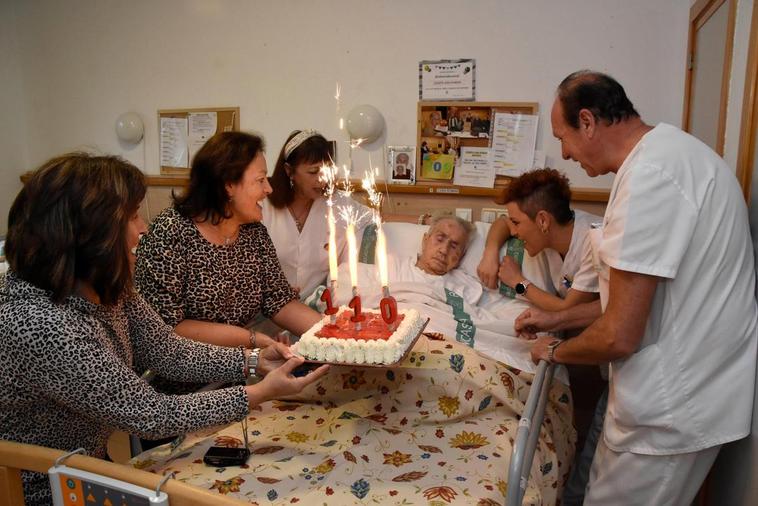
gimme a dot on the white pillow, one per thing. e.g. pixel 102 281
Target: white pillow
pixel 403 239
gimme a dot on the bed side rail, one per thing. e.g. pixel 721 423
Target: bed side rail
pixel 528 433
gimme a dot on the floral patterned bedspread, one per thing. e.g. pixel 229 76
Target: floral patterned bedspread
pixel 438 429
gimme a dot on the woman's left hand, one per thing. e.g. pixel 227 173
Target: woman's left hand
pixel 510 272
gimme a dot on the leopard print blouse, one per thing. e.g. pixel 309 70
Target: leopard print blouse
pixel 67 374
pixel 183 276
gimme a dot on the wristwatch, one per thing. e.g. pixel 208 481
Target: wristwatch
pixel 551 349
pixel 522 286
pixel 252 362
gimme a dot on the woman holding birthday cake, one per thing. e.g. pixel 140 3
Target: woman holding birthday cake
pixel 295 212
pixel 208 265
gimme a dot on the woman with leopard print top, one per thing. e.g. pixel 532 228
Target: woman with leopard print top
pixel 74 331
pixel 208 265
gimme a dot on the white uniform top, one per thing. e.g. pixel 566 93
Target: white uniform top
pixel 304 256
pixel 677 212
pixel 575 270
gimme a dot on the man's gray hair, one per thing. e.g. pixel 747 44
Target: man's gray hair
pixel 464 224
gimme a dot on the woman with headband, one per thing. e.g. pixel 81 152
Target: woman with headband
pixel 295 212
pixel 207 264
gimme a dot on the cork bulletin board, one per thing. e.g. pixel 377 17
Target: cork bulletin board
pixel 446 127
pixel 183 131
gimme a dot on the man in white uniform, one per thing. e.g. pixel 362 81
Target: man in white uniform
pixel 677 281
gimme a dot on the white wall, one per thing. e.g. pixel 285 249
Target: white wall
pixel 83 62
pixel 13 144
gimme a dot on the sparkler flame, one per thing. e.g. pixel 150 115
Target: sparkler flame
pixel 352 255
pixel 375 201
pixel 327 176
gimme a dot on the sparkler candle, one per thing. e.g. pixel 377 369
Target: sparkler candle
pixel 388 304
pixel 352 255
pixel 327 177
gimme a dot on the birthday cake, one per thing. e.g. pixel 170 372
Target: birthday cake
pixel 375 342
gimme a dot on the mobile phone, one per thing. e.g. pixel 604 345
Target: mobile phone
pixel 221 456
pixel 304 369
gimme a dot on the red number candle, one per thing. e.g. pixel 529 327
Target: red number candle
pixel 355 305
pixel 388 307
pixel 326 296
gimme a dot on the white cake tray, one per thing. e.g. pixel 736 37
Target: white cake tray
pixel 353 364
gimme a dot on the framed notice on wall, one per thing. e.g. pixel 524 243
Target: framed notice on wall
pixel 447 80
pixel 182 132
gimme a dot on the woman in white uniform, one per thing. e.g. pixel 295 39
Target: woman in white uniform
pixel 295 213
pixel 539 214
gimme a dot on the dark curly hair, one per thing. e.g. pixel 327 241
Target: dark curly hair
pixel 315 149
pixel 599 93
pixel 69 223
pixel 222 160
pixel 541 189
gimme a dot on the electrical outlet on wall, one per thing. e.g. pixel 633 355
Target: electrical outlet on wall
pixel 463 212
pixel 489 214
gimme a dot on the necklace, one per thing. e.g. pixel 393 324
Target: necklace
pixel 228 239
pixel 300 218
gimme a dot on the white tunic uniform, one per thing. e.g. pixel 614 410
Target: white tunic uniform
pixel 304 256
pixel 677 212
pixel 575 270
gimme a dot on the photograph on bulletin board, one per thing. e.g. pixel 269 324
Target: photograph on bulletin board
pixel 437 159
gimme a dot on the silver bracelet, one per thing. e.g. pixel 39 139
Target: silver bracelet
pixel 252 339
pixel 252 363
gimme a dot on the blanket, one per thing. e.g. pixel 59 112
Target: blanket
pixel 437 429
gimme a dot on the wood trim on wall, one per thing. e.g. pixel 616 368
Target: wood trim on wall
pixel 577 194
pixel 749 123
pixel 700 12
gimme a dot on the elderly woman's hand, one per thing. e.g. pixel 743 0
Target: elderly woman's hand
pixel 534 320
pixel 510 272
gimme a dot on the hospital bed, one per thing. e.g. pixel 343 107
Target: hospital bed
pixel 453 424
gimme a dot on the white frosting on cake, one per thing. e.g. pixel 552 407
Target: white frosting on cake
pixel 359 351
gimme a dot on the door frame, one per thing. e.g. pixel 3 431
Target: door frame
pixel 700 13
pixel 749 121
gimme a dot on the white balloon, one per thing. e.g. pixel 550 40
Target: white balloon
pixel 129 127
pixel 365 122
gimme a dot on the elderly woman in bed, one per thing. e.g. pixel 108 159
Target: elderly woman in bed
pixel 295 212
pixel 208 265
pixel 442 249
